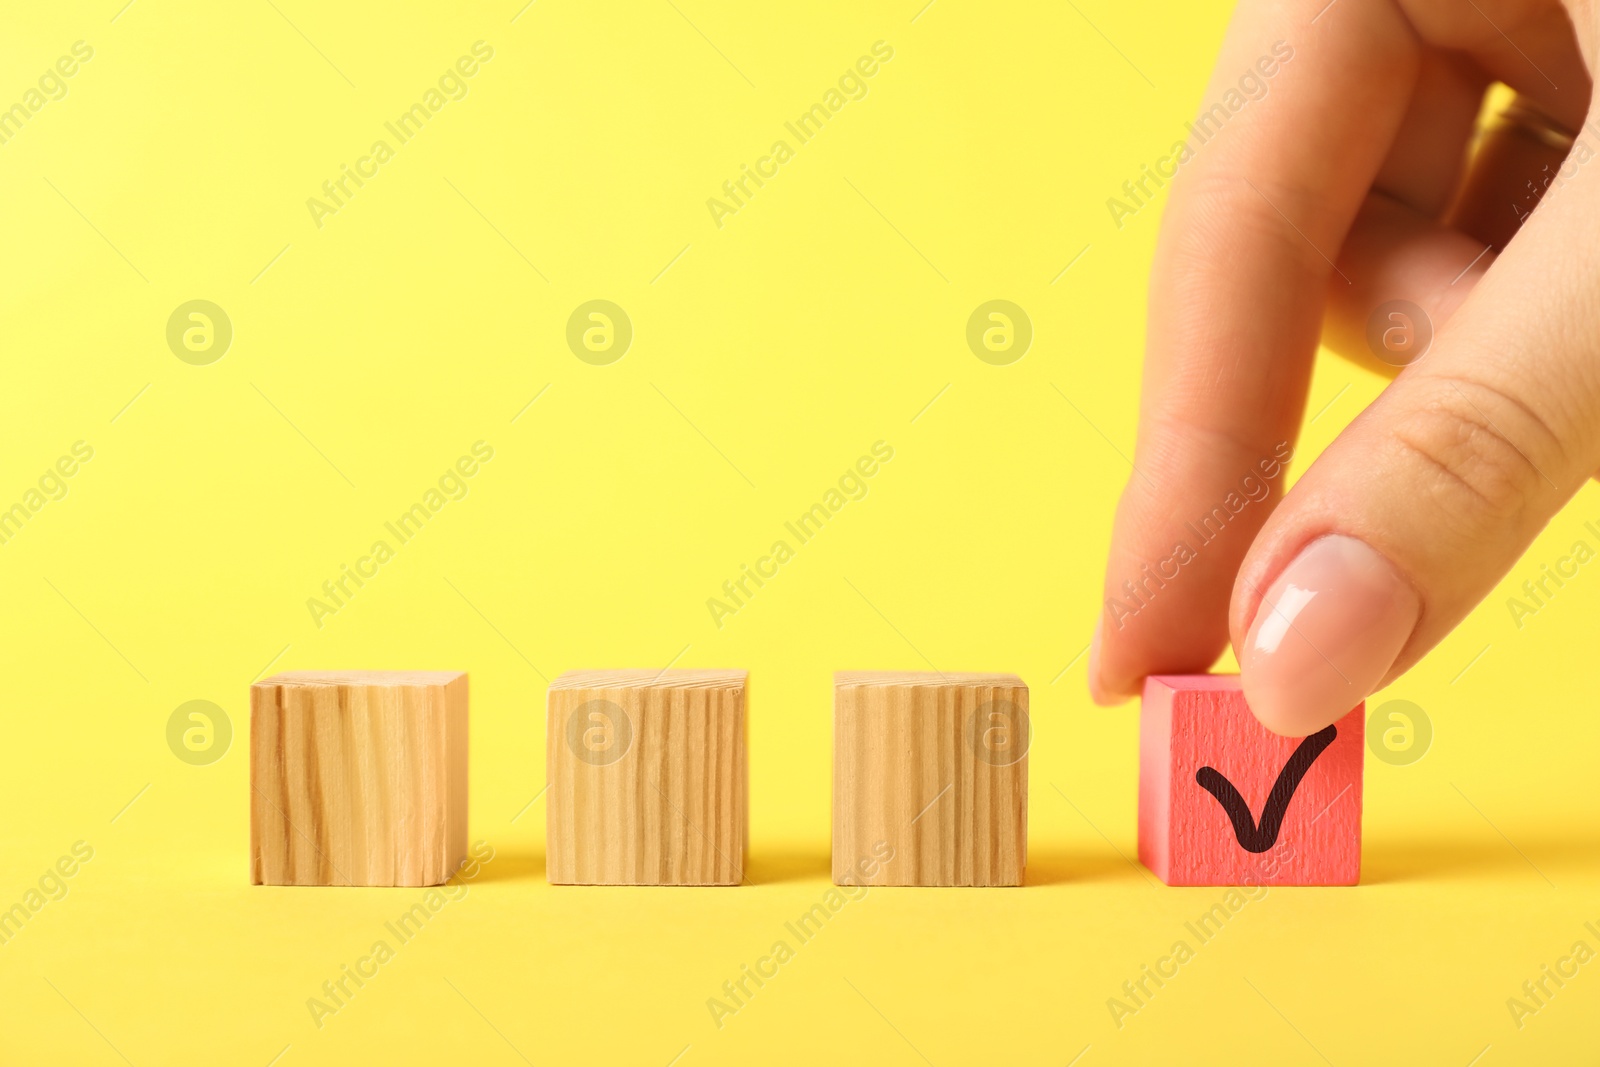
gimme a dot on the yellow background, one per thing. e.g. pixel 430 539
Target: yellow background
pixel 821 318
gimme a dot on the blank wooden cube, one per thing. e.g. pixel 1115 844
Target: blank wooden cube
pixel 647 779
pixel 1223 801
pixel 358 778
pixel 930 778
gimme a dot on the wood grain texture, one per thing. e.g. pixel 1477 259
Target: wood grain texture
pixel 358 778
pixel 1186 835
pixel 647 778
pixel 930 777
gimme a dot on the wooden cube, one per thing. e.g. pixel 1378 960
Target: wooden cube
pixel 358 778
pixel 930 778
pixel 1223 801
pixel 646 776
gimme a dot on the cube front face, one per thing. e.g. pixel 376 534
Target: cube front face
pixel 358 778
pixel 1223 801
pixel 647 778
pixel 930 779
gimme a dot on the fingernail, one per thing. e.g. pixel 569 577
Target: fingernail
pixel 1097 689
pixel 1325 635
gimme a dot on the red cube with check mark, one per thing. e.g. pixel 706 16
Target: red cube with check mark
pixel 1223 801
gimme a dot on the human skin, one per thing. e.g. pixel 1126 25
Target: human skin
pixel 1332 194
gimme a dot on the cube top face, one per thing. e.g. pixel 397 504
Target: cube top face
pixel 652 679
pixel 855 679
pixel 362 678
pixel 930 779
pixel 647 778
pixel 1223 801
pixel 1224 683
pixel 358 778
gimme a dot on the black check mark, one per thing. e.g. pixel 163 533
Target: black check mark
pixel 1255 837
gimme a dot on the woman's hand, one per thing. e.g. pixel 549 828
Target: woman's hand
pixel 1340 189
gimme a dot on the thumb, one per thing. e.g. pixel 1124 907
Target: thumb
pixel 1424 502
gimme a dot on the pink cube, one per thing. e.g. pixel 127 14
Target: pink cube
pixel 1223 801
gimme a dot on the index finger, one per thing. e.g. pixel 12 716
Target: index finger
pixel 1297 120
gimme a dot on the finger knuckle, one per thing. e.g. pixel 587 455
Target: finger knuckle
pixel 1223 213
pixel 1486 450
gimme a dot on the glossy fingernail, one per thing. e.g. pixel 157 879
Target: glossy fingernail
pixel 1326 633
